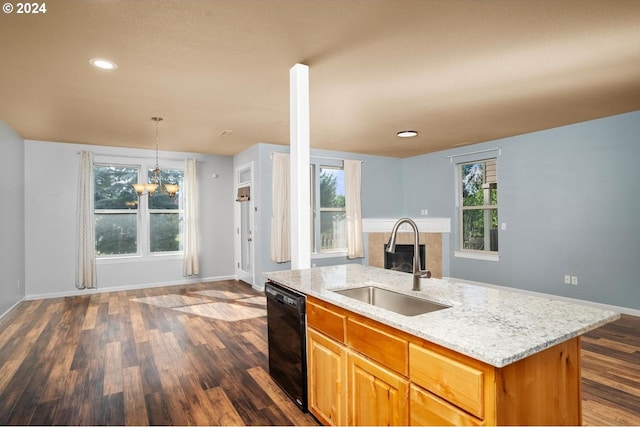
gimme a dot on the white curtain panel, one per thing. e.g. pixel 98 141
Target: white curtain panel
pixel 189 190
pixel 353 205
pixel 280 222
pixel 86 275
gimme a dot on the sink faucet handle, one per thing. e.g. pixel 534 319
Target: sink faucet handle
pixel 425 274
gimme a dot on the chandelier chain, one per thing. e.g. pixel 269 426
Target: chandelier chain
pixel 156 174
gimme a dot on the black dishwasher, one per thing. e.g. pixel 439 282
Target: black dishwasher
pixel 287 343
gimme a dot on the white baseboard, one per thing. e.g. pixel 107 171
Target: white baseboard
pixel 12 307
pixel 259 287
pixel 79 292
pixel 624 310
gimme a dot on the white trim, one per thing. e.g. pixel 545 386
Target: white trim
pixel 125 259
pixel 335 254
pixel 484 256
pixel 624 310
pixel 245 276
pixel 80 292
pixel 117 158
pixel 259 286
pixel 12 307
pixel 425 225
pixel 453 156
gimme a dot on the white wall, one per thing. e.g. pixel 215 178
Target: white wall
pixel 51 171
pixel 12 278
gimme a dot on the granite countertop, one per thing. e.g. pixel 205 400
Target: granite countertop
pixel 492 325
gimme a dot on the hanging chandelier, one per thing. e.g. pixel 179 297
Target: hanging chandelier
pixel 155 180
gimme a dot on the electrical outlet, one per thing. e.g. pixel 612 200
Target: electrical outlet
pixel 18 283
pixel 574 280
pixel 424 212
pixel 567 279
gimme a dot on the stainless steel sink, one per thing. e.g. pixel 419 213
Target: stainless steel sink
pixel 393 301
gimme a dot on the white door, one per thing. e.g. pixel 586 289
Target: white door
pixel 244 224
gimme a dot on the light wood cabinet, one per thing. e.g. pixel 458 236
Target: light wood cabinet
pixel 351 363
pixel 326 365
pixel 362 372
pixel 377 396
pixel 542 389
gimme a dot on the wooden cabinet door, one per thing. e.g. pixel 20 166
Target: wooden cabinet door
pixel 377 396
pixel 429 410
pixel 326 372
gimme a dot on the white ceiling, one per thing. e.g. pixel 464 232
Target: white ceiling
pixel 457 71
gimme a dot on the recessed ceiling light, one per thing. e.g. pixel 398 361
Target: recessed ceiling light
pixel 103 64
pixel 407 134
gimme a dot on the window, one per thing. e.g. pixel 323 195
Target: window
pixel 116 210
pixel 478 189
pixel 329 217
pixel 165 230
pixel 126 225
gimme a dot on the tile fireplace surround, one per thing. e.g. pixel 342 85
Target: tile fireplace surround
pixel 430 235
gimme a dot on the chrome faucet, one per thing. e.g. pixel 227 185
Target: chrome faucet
pixel 391 248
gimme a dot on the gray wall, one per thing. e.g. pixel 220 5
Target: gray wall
pixel 12 264
pixel 51 175
pixel 569 197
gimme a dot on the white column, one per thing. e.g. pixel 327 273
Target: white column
pixel 300 184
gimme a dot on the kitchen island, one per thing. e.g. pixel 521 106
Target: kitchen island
pixel 492 357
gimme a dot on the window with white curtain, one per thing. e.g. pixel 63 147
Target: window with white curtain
pixel 126 225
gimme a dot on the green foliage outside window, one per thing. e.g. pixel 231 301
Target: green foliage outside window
pixel 330 196
pixel 116 230
pixel 112 187
pixel 480 208
pixel 116 234
pixel 164 220
pixel 166 235
pixel 332 209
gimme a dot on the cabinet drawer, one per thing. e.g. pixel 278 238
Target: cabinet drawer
pixel 454 381
pixel 429 410
pixel 321 317
pixel 378 345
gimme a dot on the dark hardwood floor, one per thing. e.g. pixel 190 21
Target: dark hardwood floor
pixel 611 374
pixel 197 354
pixel 182 355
